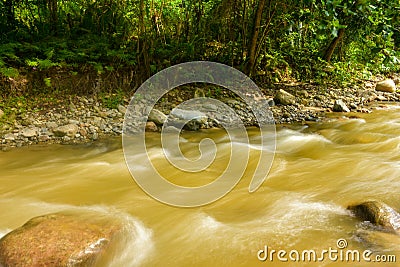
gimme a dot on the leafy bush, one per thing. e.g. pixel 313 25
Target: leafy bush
pixel 148 36
pixel 112 100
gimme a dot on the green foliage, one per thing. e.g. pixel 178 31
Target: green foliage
pixel 9 72
pixel 213 91
pixel 148 36
pixel 42 64
pixel 14 106
pixel 47 81
pixel 112 100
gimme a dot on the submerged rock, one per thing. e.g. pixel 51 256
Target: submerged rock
pixel 386 86
pixel 377 240
pixel 59 239
pixel 377 213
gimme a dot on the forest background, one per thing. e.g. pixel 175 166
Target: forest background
pixel 108 47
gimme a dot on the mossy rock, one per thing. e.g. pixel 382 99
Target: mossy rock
pixel 60 239
pixel 377 213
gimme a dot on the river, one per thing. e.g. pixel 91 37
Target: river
pixel 318 170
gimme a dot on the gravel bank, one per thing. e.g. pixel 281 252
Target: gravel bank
pixel 86 119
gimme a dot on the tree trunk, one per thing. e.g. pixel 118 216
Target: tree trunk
pixel 244 32
pixel 331 48
pixel 9 13
pixel 253 43
pixel 143 56
pixel 53 9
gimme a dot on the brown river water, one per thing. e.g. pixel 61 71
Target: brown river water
pixel 318 170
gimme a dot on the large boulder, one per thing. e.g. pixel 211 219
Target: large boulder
pixel 284 98
pixel 60 239
pixel 386 86
pixel 377 213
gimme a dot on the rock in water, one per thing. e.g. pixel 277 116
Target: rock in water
pixel 377 213
pixel 60 239
pixel 340 106
pixel 284 98
pixel 151 126
pixel 386 86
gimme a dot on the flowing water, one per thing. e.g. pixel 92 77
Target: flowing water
pixel 318 170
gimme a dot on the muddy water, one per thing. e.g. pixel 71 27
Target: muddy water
pixel 318 170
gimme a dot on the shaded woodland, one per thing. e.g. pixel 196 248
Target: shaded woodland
pixel 270 40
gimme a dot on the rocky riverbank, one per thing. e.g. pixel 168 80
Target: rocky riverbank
pixel 84 119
